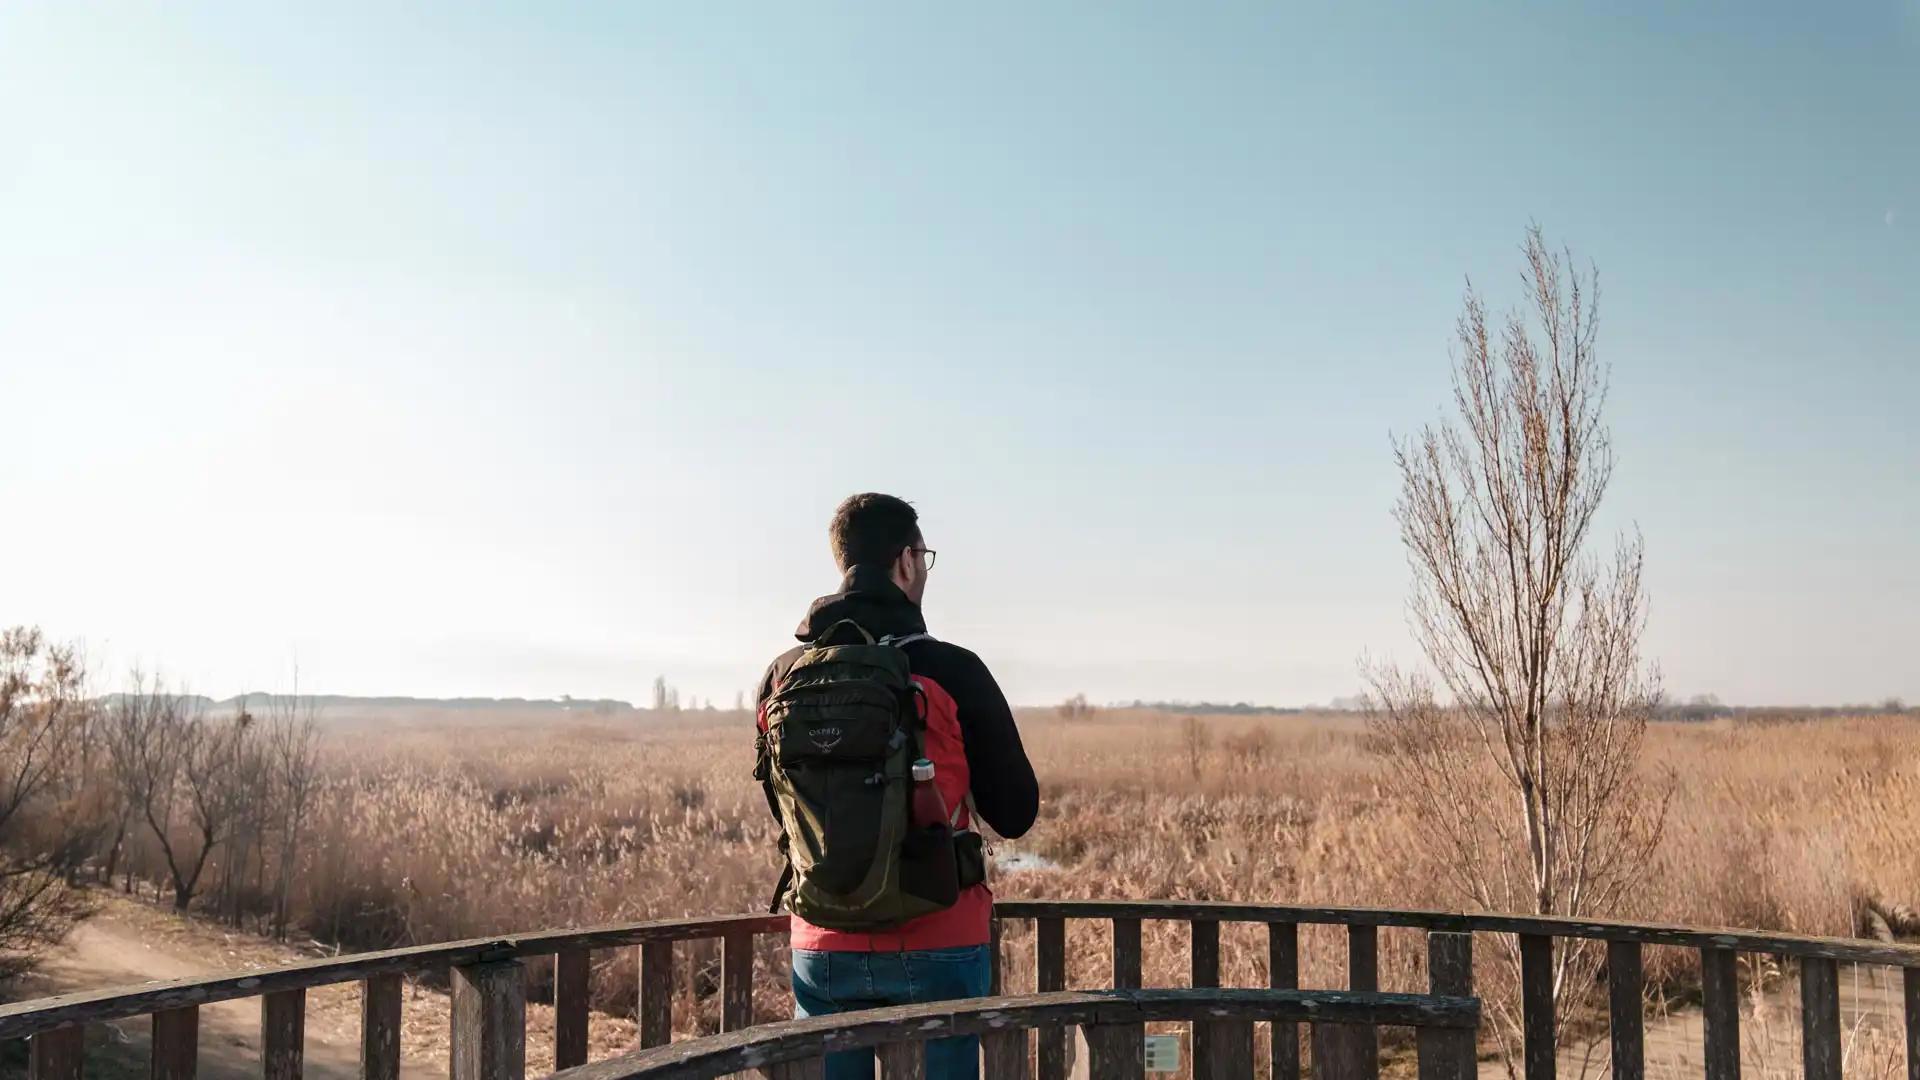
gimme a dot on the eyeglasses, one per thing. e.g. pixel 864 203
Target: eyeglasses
pixel 930 555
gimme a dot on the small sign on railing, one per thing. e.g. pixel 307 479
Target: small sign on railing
pixel 1163 1053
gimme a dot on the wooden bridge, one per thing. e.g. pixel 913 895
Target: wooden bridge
pixel 489 1002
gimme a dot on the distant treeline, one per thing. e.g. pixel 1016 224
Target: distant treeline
pixel 1210 708
pixel 259 700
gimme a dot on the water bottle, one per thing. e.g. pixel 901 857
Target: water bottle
pixel 928 808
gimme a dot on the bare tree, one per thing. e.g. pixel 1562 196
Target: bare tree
pixel 1197 740
pixel 42 712
pixel 293 739
pixel 1528 772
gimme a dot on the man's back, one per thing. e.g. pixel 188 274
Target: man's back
pixel 979 765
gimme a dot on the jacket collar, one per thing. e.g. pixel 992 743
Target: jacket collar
pixel 869 597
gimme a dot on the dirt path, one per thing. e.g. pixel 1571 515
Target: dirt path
pixel 127 942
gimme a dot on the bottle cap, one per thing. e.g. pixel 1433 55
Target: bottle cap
pixel 923 769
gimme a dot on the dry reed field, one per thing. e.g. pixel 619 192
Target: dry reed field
pixel 432 826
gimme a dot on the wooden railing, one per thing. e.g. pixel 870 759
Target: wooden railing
pixel 1344 1025
pixel 489 994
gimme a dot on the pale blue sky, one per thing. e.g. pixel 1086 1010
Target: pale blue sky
pixel 484 349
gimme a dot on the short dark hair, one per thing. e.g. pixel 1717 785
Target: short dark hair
pixel 871 529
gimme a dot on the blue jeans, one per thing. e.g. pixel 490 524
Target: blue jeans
pixel 833 982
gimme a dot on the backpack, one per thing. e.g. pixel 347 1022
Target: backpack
pixel 843 728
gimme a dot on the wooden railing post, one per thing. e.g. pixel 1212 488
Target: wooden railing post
pixel 1820 1018
pixel 380 1027
pixel 1050 956
pixel 1910 990
pixel 993 959
pixel 490 1021
pixel 804 1069
pixel 570 986
pixel 1536 1006
pixel 902 1061
pixel 736 981
pixel 1447 1054
pixel 1117 1051
pixel 1229 1049
pixel 1283 973
pixel 283 1034
pixel 1126 954
pixel 656 993
pixel 1344 1052
pixel 57 1054
pixel 1720 990
pixel 1363 958
pixel 176 1044
pixel 1204 954
pixel 1003 1054
pixel 1626 1024
pixel 1363 971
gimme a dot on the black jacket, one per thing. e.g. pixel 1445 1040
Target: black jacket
pixel 1004 789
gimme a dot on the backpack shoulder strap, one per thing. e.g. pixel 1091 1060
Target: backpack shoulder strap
pixel 903 640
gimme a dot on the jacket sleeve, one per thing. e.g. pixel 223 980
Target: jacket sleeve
pixel 1004 789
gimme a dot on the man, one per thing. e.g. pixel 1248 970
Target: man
pixel 980 767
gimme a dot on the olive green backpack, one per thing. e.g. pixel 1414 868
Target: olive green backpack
pixel 843 729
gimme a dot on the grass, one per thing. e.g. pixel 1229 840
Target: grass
pixel 438 828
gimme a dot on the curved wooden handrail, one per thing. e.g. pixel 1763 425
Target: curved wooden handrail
pixel 1798 945
pixel 22 1018
pixel 798 1040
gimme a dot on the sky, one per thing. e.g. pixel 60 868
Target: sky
pixel 524 350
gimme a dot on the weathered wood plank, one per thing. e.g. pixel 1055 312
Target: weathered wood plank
pixel 1720 991
pixel 1113 1057
pixel 1204 963
pixel 902 1060
pixel 1446 1054
pixel 1626 1022
pixel 380 1000
pixel 993 1019
pixel 656 993
pixel 1003 1054
pixel 1229 1049
pixel 176 1044
pixel 1820 1018
pixel 1283 973
pixel 993 960
pixel 1116 1051
pixel 489 1021
pixel 1910 990
pixel 736 981
pixel 804 1069
pixel 57 1053
pixel 1204 935
pixel 1050 973
pixel 570 974
pixel 1344 1052
pixel 1848 950
pixel 1536 1006
pixel 22 1018
pixel 283 1034
pixel 1126 954
pixel 1363 958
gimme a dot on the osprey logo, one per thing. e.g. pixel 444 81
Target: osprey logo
pixel 825 737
